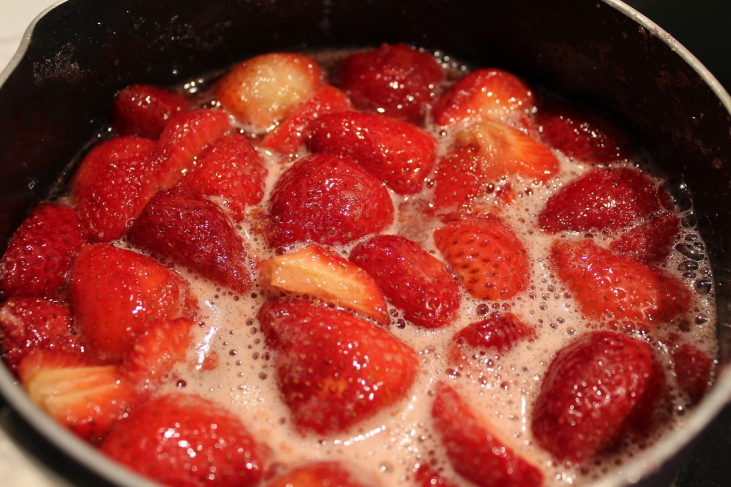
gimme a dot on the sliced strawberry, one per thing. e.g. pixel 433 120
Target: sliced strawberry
pixel 334 370
pixel 266 89
pixel 485 94
pixel 395 152
pixel 144 109
pixel 487 257
pixel 475 449
pixel 693 370
pixel 327 199
pixel 599 389
pixel 651 241
pixel 582 133
pixel 495 335
pixel 231 169
pixel 85 398
pixel 186 441
pixel 412 279
pixel 290 136
pixel 320 273
pixel 115 293
pixel 395 80
pixel 602 200
pixel 425 476
pixel 614 288
pixel 40 253
pixel 320 474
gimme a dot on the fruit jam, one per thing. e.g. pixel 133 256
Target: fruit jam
pixel 231 359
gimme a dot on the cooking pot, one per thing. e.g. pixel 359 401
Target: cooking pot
pixel 55 95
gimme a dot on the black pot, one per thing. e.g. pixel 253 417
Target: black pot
pixel 55 95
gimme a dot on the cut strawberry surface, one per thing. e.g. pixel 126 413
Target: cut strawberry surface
pixel 425 476
pixel 597 390
pixel 495 335
pixel 486 255
pixel 327 199
pixel 474 447
pixel 395 80
pixel 40 253
pixel 395 152
pixel 651 241
pixel 320 273
pixel 186 441
pixel 144 110
pixel 334 370
pixel 185 227
pixel 693 370
pixel 412 279
pixel 319 474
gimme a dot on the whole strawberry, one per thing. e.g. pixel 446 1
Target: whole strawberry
pixel 144 109
pixel 693 370
pixel 651 241
pixel 599 389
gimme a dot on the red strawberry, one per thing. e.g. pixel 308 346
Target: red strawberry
pixel 40 253
pixel 333 369
pixel 144 109
pixel 582 134
pixel 426 477
pixel 231 169
pixel 327 199
pixel 185 227
pixel 320 474
pixel 485 94
pixel 651 241
pixel 395 80
pixel 599 389
pixel 413 280
pixel 496 335
pixel 603 200
pixel 186 441
pixel 487 257
pixel 693 369
pixel 616 288
pixel 115 293
pixel 475 449
pixel 291 134
pixel 28 324
pixel 395 152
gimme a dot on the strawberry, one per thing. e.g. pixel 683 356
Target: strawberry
pixel 40 253
pixel 475 449
pixel 412 280
pixel 185 227
pixel 319 474
pixel 291 134
pixel 334 370
pixel 266 89
pixel 602 200
pixel 582 134
pixel 186 441
pixel 495 335
pixel 327 199
pixel 144 109
pixel 395 80
pixel 231 169
pixel 616 288
pixel 320 273
pixel 651 241
pixel 425 476
pixel 599 389
pixel 487 257
pixel 485 94
pixel 115 293
pixel 693 370
pixel 84 397
pixel 395 152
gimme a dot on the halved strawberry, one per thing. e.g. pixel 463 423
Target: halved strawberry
pixel 487 257
pixel 186 441
pixel 651 241
pixel 266 89
pixel 334 370
pixel 412 279
pixel 327 199
pixel 320 474
pixel 599 389
pixel 291 134
pixel 395 152
pixel 693 370
pixel 495 335
pixel 40 253
pixel 144 109
pixel 231 169
pixel 320 273
pixel 474 447
pixel 116 293
pixel 615 288
pixel 395 80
